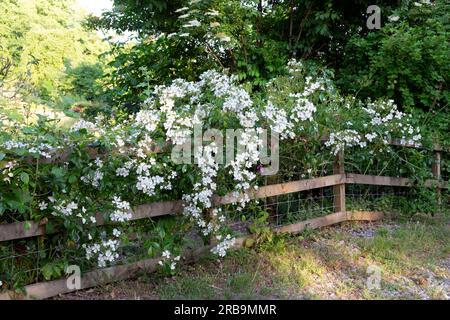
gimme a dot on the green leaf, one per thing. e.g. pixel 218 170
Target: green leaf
pixel 27 226
pixel 25 177
pixel 47 271
pixel 72 179
pixel 58 172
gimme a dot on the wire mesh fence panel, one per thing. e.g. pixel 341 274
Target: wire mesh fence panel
pixel 404 201
pixel 30 261
pixel 445 166
pixel 445 201
pixel 299 206
pixel 284 209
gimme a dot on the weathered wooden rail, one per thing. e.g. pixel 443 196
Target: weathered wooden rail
pixel 338 181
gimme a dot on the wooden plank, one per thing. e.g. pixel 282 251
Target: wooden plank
pixel 378 180
pixel 313 223
pixel 437 165
pixel 283 188
pixel 364 215
pixel 19 230
pixel 44 290
pixel 157 209
pixel 330 219
pixel 392 181
pixel 406 144
pixel 48 289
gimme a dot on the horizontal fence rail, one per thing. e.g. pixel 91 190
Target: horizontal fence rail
pixel 27 229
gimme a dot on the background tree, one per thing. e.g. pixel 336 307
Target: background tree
pixel 251 38
pixel 45 38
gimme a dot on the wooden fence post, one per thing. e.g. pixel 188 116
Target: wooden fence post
pixel 437 175
pixel 211 238
pixel 339 190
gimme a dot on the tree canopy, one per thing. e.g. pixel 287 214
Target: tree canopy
pixel 45 38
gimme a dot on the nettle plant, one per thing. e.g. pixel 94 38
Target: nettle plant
pixel 128 170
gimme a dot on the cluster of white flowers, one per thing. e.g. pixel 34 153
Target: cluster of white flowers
pixel 312 86
pixel 303 109
pixel 224 245
pixel 289 121
pixel 148 184
pixel 388 119
pixel 7 171
pixel 106 251
pixel 95 177
pixel 294 66
pixel 125 170
pixel 41 150
pixel 384 120
pixel 203 191
pixel 422 2
pixel 83 124
pixel 279 121
pixel 393 18
pixel 147 119
pixel 345 138
pixel 122 210
pixel 246 158
pixel 195 16
pixel 192 23
pixel 10 145
pixel 64 208
pixel 169 259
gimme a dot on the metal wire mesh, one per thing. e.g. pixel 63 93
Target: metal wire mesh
pixel 282 210
pixel 295 207
pixel 445 166
pixel 405 201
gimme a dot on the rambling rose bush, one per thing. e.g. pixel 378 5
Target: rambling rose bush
pixel 126 171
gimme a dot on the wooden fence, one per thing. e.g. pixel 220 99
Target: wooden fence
pixel 337 181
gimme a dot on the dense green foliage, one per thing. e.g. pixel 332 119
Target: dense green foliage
pixel 253 39
pixel 408 60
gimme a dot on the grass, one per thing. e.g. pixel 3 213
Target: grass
pixel 413 259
